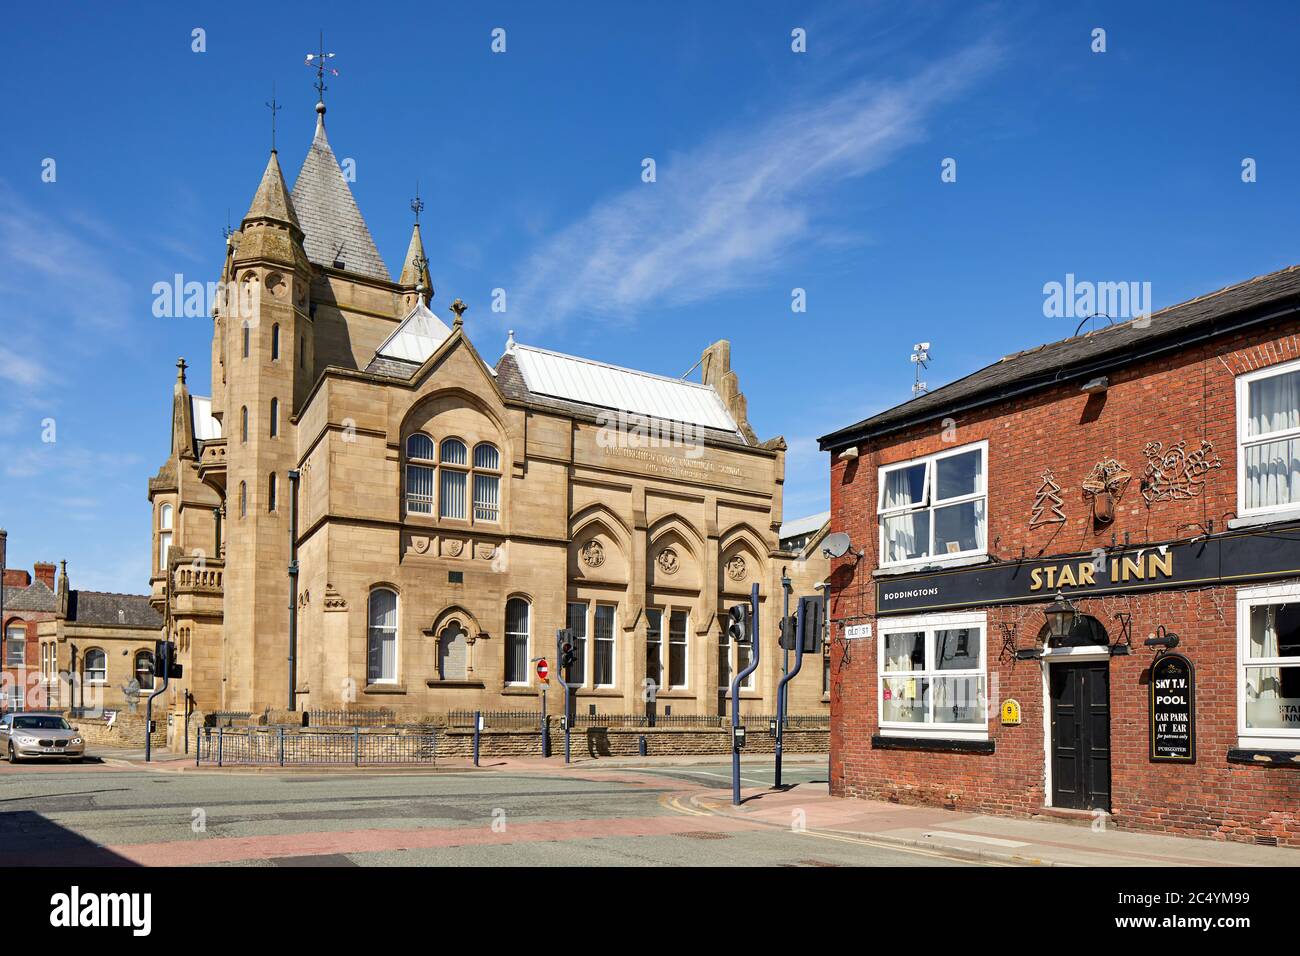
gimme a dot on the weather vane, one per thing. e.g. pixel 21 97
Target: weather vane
pixel 417 204
pixel 317 60
pixel 274 107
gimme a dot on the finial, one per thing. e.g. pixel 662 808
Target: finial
pixel 228 231
pixel 510 341
pixel 417 204
pixel 317 61
pixel 459 308
pixel 421 266
pixel 274 107
pixel 180 370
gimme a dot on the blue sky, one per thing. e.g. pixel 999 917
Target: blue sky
pixel 775 170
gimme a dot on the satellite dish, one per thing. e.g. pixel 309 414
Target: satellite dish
pixel 836 545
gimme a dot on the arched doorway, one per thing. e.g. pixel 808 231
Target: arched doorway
pixel 1078 687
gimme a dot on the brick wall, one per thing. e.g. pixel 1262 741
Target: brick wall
pixel 1188 396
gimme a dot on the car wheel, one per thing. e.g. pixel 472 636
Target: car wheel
pixel 13 757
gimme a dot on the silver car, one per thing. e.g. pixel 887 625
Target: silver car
pixel 38 735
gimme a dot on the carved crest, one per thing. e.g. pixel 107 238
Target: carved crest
pixel 593 554
pixel 454 546
pixel 1174 473
pixel 667 561
pixel 736 567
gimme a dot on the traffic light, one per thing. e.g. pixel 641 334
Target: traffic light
pixel 812 624
pixel 740 620
pixel 568 651
pixel 788 627
pixel 164 660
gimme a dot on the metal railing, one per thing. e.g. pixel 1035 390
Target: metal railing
pixel 275 747
pixel 496 719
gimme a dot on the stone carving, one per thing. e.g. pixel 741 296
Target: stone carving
pixel 593 554
pixel 334 601
pixel 667 561
pixel 736 567
pixel 1048 497
pixel 420 544
pixel 454 547
pixel 1175 474
pixel 486 552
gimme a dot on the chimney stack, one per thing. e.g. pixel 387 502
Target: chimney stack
pixel 44 571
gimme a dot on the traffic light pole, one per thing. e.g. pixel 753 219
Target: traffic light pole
pixel 780 690
pixel 148 707
pixel 561 676
pixel 736 681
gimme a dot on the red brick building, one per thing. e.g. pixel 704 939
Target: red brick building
pixel 28 599
pixel 1142 482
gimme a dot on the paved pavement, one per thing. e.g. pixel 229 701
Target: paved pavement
pixel 527 811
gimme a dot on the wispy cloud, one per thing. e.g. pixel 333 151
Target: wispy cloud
pixel 721 212
pixel 22 370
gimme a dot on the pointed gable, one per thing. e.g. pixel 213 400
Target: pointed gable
pixel 335 231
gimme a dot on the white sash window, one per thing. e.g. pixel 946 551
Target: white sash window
pixel 934 508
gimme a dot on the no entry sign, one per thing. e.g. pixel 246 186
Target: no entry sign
pixel 543 669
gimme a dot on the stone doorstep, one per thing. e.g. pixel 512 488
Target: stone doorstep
pixel 1084 818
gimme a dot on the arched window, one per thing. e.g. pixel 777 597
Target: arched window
pixel 243 424
pixel 144 669
pixel 275 418
pixel 453 460
pixel 275 343
pixel 419 474
pixel 94 666
pixel 243 499
pixel 518 614
pixel 247 338
pixel 381 667
pixel 15 645
pixel 164 535
pixel 270 492
pixel 487 482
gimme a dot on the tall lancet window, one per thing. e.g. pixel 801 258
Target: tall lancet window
pixel 453 478
pixel 419 474
pixel 275 343
pixel 275 418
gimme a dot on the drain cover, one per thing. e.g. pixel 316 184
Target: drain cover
pixel 706 835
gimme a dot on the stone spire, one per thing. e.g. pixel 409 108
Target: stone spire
pixel 415 269
pixel 182 416
pixel 63 589
pixel 270 229
pixel 271 202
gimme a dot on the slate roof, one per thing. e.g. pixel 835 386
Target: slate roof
pixel 117 610
pixel 35 597
pixel 1257 299
pixel 330 219
pixel 511 381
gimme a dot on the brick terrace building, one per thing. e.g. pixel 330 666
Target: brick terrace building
pixel 28 599
pixel 1150 473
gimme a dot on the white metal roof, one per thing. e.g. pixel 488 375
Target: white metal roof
pixel 801 526
pixel 416 337
pixel 610 386
pixel 205 426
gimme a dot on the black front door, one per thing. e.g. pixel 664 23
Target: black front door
pixel 1081 735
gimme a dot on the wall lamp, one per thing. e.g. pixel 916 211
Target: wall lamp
pixel 1095 386
pixel 1060 616
pixel 849 454
pixel 1167 640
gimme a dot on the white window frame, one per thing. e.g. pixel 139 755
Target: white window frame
pixel 686 645
pixel 659 644
pixel 733 663
pixel 1243 409
pixel 528 640
pixel 429 465
pixel 1261 738
pixel 929 505
pixel 613 644
pixel 929 623
pixel 86 671
pixel 397 636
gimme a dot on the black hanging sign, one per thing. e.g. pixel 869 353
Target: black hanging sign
pixel 1173 709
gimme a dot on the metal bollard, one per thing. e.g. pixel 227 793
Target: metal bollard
pixel 220 744
pixel 197 732
pixel 281 746
pixel 640 745
pixel 356 746
pixel 478 726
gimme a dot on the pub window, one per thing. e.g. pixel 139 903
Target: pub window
pixel 517 619
pixel 94 666
pixel 144 669
pixel 452 462
pixel 419 474
pixel 577 623
pixel 1268 432
pixel 677 669
pixel 603 662
pixel 931 677
pixel 654 646
pixel 381 647
pixel 934 507
pixel 1268 673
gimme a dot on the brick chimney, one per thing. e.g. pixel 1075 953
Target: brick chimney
pixel 17 578
pixel 44 571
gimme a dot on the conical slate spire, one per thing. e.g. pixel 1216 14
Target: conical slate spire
pixel 336 235
pixel 271 201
